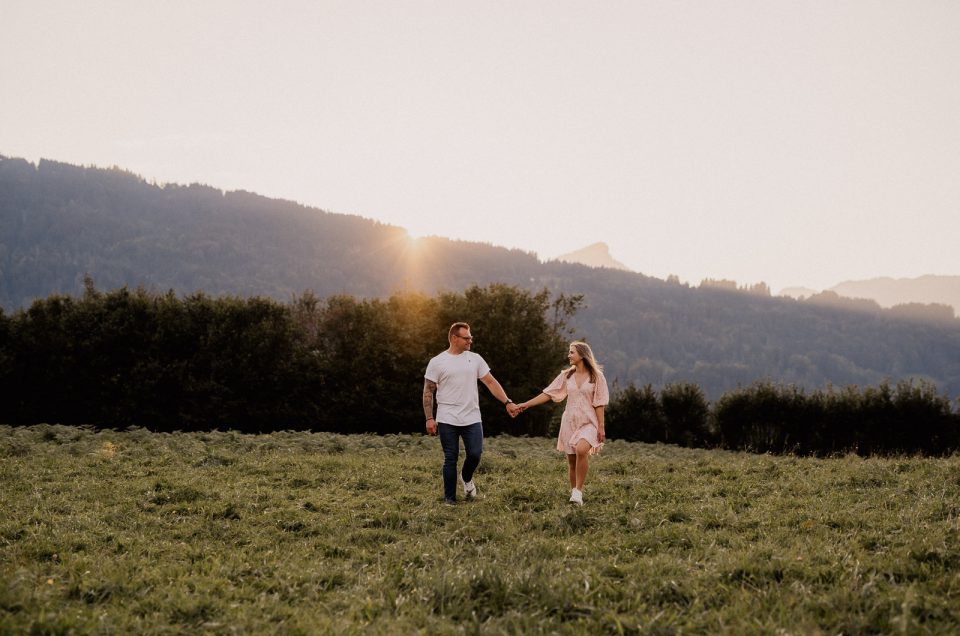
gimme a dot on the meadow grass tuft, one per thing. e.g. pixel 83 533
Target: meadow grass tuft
pixel 107 532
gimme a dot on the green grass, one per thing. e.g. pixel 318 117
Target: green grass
pixel 298 533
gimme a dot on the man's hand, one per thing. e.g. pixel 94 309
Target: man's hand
pixel 513 409
pixel 431 426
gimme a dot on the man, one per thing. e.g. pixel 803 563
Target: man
pixel 451 377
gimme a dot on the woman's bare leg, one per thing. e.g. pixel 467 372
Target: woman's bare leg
pixel 582 459
pixel 572 461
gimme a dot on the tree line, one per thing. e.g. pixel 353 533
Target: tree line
pixel 196 362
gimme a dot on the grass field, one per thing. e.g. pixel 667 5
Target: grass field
pixel 297 533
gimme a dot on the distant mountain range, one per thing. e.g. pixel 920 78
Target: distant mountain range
pixel 897 291
pixel 889 292
pixel 60 222
pixel 797 292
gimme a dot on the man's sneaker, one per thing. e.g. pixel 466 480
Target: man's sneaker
pixel 576 497
pixel 469 489
pixel 449 502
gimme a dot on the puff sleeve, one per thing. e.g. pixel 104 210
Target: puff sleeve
pixel 601 394
pixel 558 388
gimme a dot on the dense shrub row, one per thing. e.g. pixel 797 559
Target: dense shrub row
pixel 910 417
pixel 130 357
pixel 677 415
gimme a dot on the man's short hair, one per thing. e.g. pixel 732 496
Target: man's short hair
pixel 455 328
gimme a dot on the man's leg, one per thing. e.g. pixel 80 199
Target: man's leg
pixel 473 445
pixel 450 442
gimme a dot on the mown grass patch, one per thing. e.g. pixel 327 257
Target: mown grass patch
pixel 137 532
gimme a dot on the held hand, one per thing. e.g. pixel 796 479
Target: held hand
pixel 431 426
pixel 513 409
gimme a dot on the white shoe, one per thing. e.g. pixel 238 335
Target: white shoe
pixel 469 489
pixel 576 497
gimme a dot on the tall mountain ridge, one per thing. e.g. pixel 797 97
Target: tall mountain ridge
pixel 59 223
pixel 594 255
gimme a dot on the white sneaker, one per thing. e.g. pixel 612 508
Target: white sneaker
pixel 576 497
pixel 469 489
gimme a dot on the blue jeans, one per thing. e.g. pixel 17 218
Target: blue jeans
pixel 450 442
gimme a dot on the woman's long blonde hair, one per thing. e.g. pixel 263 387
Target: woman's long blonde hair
pixel 585 352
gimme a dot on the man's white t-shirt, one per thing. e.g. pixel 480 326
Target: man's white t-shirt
pixel 458 401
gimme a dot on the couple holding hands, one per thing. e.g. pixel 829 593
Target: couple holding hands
pixel 450 382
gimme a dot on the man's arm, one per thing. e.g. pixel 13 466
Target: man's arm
pixel 429 391
pixel 497 391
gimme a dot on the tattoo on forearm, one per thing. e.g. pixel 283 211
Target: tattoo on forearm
pixel 429 388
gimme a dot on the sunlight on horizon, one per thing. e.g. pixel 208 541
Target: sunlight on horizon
pixel 412 256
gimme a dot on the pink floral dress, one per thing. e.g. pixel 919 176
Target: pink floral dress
pixel 579 415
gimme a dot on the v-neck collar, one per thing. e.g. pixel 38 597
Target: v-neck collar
pixel 585 380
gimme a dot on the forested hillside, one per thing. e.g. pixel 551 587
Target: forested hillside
pixel 59 223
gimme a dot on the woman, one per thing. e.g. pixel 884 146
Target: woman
pixel 581 429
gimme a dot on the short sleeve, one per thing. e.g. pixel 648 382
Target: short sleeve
pixel 482 368
pixel 558 388
pixel 431 372
pixel 601 394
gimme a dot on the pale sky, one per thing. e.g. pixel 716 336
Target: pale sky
pixel 800 143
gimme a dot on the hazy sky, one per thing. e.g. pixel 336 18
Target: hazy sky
pixel 790 141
